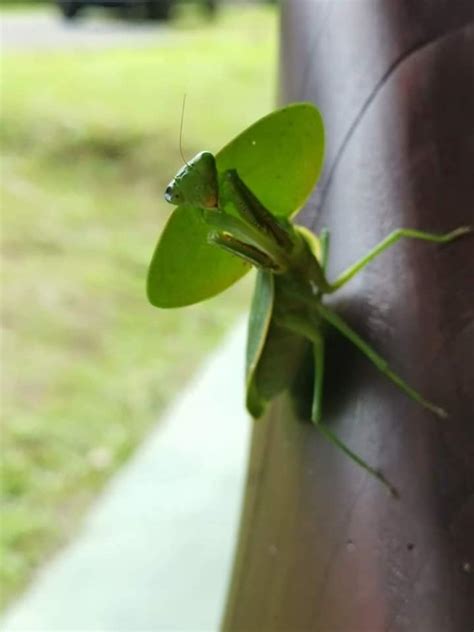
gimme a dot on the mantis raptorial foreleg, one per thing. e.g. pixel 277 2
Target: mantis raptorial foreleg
pixel 390 240
pixel 251 209
pixel 338 323
pixel 245 251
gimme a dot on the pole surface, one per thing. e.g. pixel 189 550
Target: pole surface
pixel 322 545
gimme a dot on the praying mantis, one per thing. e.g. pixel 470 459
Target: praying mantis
pixel 234 211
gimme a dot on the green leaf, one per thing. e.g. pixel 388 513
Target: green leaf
pixel 280 159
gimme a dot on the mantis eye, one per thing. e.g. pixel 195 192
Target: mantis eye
pixel 169 193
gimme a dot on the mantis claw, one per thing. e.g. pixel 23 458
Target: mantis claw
pixel 249 253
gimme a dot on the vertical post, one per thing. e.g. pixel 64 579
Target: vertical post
pixel 322 546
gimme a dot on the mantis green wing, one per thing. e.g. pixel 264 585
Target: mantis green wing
pixel 259 324
pixel 279 158
pixel 274 353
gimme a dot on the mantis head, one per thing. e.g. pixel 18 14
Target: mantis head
pixel 196 183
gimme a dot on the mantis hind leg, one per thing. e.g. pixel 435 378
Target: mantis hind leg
pixel 318 347
pixel 390 240
pixel 316 413
pixel 338 323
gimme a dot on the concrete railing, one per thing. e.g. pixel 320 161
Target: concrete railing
pixel 322 545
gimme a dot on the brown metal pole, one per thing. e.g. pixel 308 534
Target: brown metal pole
pixel 322 545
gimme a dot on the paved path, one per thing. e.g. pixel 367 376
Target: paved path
pixel 46 30
pixel 155 554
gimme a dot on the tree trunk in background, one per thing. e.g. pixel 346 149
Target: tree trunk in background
pixel 322 546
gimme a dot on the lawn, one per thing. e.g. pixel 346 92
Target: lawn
pixel 90 140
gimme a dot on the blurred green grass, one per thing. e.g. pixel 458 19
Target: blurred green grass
pixel 89 141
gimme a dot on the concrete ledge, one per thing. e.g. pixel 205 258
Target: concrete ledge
pixel 156 551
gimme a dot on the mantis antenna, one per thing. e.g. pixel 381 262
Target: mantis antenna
pixel 181 132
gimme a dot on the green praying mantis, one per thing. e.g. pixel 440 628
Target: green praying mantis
pixel 233 212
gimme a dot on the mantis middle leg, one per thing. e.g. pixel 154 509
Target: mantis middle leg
pixel 390 240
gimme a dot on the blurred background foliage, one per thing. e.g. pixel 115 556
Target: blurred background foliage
pixel 89 140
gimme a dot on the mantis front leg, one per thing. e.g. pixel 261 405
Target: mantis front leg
pixel 251 209
pixel 390 240
pixel 256 235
